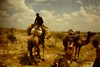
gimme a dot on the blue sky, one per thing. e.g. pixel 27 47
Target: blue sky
pixel 58 15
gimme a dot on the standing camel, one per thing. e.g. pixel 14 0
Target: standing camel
pixel 78 42
pixel 35 40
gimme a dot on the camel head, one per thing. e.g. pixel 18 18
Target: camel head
pixel 95 43
pixel 85 42
pixel 90 34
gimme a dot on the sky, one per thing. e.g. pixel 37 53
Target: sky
pixel 58 15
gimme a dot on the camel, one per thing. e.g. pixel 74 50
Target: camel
pixel 35 40
pixel 60 61
pixel 78 42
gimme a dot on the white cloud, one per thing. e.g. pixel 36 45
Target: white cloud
pixel 53 0
pixel 43 0
pixel 31 3
pixel 54 22
pixel 40 0
pixel 14 5
pixel 66 16
pixel 98 7
pixel 3 14
pixel 93 9
pixel 16 12
pixel 79 2
pixel 83 17
pixel 22 16
pixel 73 20
pixel 48 15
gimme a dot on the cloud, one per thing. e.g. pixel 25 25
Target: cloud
pixel 48 15
pixel 75 20
pixel 44 0
pixel 79 2
pixel 13 6
pixel 82 16
pixel 3 14
pixel 92 9
pixel 40 0
pixel 54 21
pixel 98 7
pixel 83 20
pixel 15 12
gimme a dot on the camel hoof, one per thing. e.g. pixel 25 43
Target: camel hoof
pixel 78 61
pixel 37 56
pixel 74 60
pixel 36 63
pixel 33 63
pixel 30 63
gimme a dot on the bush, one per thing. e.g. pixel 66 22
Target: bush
pixel 3 39
pixel 58 35
pixel 11 37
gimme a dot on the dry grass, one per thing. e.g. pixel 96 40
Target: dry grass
pixel 14 54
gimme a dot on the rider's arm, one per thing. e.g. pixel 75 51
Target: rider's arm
pixel 35 20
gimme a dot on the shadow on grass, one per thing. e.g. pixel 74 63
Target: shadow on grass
pixel 3 58
pixel 24 60
pixel 2 64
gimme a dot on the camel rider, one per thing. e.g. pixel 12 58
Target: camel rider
pixel 38 21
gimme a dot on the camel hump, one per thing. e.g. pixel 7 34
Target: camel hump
pixel 30 28
pixel 36 32
pixel 99 47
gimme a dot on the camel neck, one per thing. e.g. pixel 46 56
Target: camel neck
pixel 87 40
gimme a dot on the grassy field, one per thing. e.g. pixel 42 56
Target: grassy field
pixel 14 54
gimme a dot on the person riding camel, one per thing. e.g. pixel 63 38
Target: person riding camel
pixel 38 21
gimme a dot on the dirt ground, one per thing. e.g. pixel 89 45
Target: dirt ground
pixel 14 54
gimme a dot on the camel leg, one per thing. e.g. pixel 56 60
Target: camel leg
pixel 29 48
pixel 72 55
pixel 30 53
pixel 64 48
pixel 75 53
pixel 79 52
pixel 38 53
pixel 71 59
